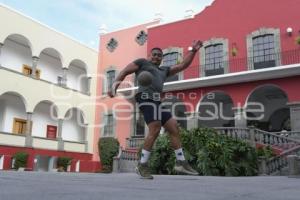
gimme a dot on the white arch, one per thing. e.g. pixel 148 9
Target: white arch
pixel 21 36
pixel 55 52
pixel 52 104
pixel 76 109
pixel 74 125
pixel 16 52
pixel 261 87
pixel 214 91
pixel 18 95
pixel 79 62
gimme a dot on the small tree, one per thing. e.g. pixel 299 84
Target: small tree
pixel 108 148
pixel 63 163
pixel 20 160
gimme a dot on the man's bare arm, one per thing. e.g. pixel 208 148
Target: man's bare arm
pixel 187 59
pixel 129 69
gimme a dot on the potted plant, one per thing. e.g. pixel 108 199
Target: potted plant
pixel 20 160
pixel 63 163
pixel 298 39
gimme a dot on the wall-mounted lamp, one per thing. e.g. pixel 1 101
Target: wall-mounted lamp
pixel 289 31
pixel 234 49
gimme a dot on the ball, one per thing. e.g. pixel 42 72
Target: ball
pixel 145 78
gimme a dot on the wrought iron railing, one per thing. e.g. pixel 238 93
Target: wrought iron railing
pixel 275 140
pixel 135 142
pixel 286 143
pixel 276 164
pixel 240 64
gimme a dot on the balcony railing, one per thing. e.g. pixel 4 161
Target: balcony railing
pixel 135 142
pixel 240 64
pixel 45 81
pixel 19 140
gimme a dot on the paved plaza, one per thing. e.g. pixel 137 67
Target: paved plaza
pixel 75 186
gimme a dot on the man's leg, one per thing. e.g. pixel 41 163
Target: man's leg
pixel 143 168
pixel 172 128
pixel 154 129
pixel 181 165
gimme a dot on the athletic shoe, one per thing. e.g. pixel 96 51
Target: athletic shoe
pixel 143 170
pixel 182 166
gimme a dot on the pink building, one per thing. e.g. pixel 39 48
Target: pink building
pixel 249 57
pixel 117 49
pixel 246 74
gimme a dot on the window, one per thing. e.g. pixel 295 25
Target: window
pixel 263 48
pixel 140 124
pixel 263 51
pixel 169 60
pixel 51 131
pixel 19 126
pixel 59 80
pixel 214 57
pixel 214 64
pixel 108 125
pixel 110 77
pixel 141 38
pixel 27 70
pixel 112 44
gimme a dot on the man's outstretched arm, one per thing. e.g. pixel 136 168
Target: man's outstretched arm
pixel 129 69
pixel 187 59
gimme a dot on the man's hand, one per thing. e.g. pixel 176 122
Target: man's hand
pixel 197 44
pixel 112 91
pixel 111 94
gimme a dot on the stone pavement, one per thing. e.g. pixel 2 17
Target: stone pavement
pixel 84 186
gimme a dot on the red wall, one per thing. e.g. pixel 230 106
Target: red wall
pixel 86 163
pixel 240 92
pixel 233 20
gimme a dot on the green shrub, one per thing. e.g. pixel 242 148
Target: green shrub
pixel 208 152
pixel 108 148
pixel 20 160
pixel 63 162
pixel 265 151
pixel 162 158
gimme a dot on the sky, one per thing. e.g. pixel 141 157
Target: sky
pixel 81 19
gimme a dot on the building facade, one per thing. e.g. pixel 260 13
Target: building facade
pixel 116 117
pixel 247 71
pixel 47 95
pixel 246 74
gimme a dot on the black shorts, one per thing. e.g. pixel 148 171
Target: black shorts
pixel 153 110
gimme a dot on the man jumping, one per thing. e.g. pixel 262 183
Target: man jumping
pixel 149 103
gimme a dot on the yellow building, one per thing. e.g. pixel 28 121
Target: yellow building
pixel 47 87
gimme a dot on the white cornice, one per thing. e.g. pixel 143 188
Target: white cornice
pixel 230 78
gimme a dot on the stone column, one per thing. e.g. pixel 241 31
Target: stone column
pixel 1 45
pixel 28 133
pixel 35 60
pixel 89 80
pixel 192 120
pixel 294 165
pixel 240 117
pixel 294 115
pixel 59 135
pixel 252 140
pixel 85 139
pixel 64 77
